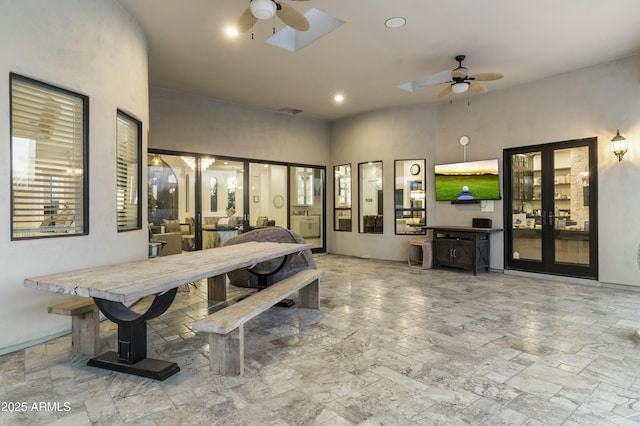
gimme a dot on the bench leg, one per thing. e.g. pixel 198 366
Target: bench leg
pixel 226 353
pixel 85 332
pixel 309 296
pixel 217 288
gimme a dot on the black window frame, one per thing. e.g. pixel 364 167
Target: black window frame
pixel 138 124
pixel 84 202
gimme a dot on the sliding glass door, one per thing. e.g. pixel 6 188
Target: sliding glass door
pixel 222 203
pixel 171 185
pixel 550 213
pixel 267 195
pixel 203 201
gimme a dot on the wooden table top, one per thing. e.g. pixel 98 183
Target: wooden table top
pixel 129 281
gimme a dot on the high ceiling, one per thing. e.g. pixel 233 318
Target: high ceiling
pixel 526 41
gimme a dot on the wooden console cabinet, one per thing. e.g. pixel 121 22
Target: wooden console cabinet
pixel 461 247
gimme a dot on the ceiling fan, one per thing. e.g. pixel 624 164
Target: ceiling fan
pixel 266 9
pixel 458 79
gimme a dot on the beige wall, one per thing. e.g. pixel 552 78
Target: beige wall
pixel 63 43
pixel 385 135
pixel 182 122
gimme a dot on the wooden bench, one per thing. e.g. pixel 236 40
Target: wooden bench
pixel 226 327
pixel 85 324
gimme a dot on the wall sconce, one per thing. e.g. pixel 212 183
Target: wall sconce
pixel 619 145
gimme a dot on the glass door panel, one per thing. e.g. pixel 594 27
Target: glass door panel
pixel 306 216
pixel 267 195
pixel 222 200
pixel 571 205
pixel 526 206
pixel 171 181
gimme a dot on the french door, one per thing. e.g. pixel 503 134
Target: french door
pixel 551 208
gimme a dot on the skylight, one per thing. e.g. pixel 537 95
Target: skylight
pixel 321 24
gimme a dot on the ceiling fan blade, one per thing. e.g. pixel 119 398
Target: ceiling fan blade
pixel 458 74
pixel 444 92
pixel 441 77
pixel 292 17
pixel 487 76
pixel 478 88
pixel 246 21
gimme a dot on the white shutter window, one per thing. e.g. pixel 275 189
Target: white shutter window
pixel 48 160
pixel 129 172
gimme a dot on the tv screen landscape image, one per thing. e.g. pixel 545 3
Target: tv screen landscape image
pixel 469 181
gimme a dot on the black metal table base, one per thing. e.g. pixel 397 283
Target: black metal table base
pixel 265 279
pixel 131 356
pixel 148 367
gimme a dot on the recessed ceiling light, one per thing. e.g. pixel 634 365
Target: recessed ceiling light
pixel 231 31
pixel 395 22
pixel 338 98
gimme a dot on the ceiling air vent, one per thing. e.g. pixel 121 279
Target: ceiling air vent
pixel 290 111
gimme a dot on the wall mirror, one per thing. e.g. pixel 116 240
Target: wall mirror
pixel 370 197
pixel 410 204
pixel 342 198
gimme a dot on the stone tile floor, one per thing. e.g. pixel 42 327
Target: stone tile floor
pixel 391 345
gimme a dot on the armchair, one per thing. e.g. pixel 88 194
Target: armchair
pixel 170 241
pixel 188 231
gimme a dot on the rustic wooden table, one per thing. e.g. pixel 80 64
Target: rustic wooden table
pixel 111 286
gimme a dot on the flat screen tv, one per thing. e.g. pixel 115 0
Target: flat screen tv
pixel 468 182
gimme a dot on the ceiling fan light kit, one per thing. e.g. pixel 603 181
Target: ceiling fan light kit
pixel 268 9
pixel 458 80
pixel 460 87
pixel 263 9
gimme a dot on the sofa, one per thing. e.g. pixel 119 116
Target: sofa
pixel 404 226
pixel 217 230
